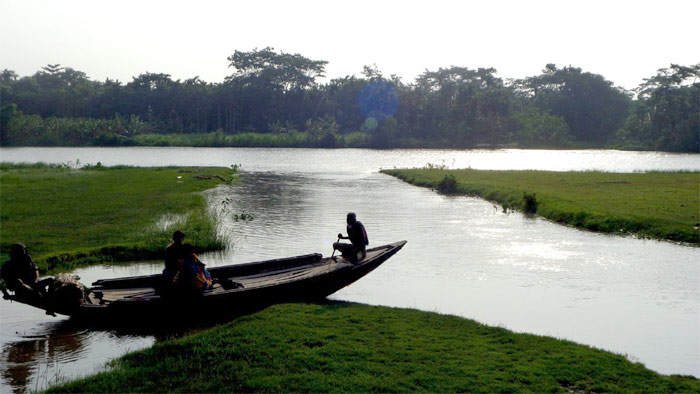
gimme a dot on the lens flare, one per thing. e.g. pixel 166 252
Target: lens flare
pixel 371 123
pixel 378 100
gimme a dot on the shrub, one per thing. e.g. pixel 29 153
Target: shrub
pixel 530 203
pixel 447 185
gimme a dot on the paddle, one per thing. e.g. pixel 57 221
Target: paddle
pixel 333 254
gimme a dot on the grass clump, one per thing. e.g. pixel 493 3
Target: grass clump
pixel 448 184
pixel 343 347
pixel 660 205
pixel 530 203
pixel 75 216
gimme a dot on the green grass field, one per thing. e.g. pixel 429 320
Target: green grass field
pixel 68 217
pixel 341 347
pixel 661 205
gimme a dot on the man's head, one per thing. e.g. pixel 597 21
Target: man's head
pixel 17 250
pixel 178 236
pixel 352 218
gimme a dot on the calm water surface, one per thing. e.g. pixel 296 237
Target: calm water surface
pixel 464 256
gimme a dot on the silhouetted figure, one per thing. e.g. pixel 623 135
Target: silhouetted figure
pixel 20 274
pixel 174 252
pixel 184 272
pixel 358 238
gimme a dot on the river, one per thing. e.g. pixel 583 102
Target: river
pixel 464 256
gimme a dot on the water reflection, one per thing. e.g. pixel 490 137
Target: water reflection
pixel 39 350
pixel 26 358
pixel 57 350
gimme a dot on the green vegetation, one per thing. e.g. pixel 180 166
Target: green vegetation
pixel 277 93
pixel 293 139
pixel 357 348
pixel 661 205
pixel 69 217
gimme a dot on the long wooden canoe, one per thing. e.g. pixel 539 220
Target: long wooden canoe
pixel 307 277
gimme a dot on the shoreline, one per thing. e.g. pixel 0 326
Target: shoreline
pixel 605 202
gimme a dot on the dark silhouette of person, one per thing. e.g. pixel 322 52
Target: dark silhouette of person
pixel 183 272
pixel 357 235
pixel 20 274
pixel 175 254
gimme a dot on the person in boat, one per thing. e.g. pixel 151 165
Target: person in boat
pixel 174 252
pixel 184 272
pixel 357 235
pixel 19 274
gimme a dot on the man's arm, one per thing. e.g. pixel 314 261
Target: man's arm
pixel 3 287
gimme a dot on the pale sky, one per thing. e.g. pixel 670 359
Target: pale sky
pixel 625 41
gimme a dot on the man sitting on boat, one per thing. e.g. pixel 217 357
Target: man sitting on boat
pixel 20 274
pixel 173 253
pixel 358 238
pixel 184 272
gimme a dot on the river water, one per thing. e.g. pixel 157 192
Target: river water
pixel 464 256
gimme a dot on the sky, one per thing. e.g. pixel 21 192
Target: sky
pixel 625 41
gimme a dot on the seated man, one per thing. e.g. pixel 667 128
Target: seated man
pixel 183 272
pixel 174 253
pixel 358 238
pixel 20 274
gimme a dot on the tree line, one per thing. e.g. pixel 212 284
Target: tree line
pixel 276 96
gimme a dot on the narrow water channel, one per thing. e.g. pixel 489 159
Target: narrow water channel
pixel 464 255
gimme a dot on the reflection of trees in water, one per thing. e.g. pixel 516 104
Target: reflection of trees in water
pixel 282 194
pixel 28 362
pixel 275 201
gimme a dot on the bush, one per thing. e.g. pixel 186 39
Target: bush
pixel 448 185
pixel 328 141
pixel 530 203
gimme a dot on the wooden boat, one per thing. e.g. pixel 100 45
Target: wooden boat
pixel 307 277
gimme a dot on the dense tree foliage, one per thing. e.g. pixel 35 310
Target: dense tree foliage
pixel 590 105
pixel 276 93
pixel 666 115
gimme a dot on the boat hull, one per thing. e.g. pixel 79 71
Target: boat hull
pixel 303 278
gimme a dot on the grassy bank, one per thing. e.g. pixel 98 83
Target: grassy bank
pixel 661 205
pixel 358 348
pixel 68 217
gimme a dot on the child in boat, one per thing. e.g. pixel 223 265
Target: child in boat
pixel 358 238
